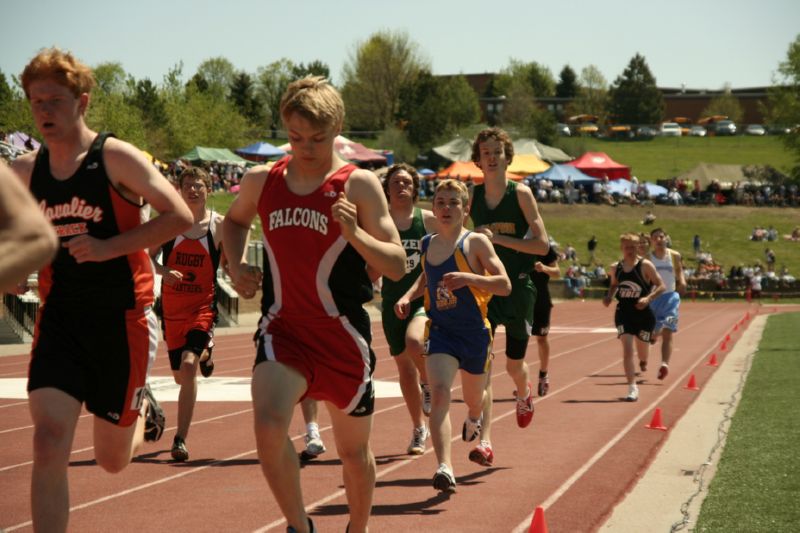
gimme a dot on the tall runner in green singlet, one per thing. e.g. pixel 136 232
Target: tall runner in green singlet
pixel 405 336
pixel 507 213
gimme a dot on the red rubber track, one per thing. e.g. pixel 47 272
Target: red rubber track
pixel 584 450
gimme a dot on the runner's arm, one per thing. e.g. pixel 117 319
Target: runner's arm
pixel 236 229
pixel 27 240
pixel 364 217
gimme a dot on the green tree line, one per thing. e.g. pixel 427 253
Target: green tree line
pixel 388 88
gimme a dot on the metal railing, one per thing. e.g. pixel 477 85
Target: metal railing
pixel 20 312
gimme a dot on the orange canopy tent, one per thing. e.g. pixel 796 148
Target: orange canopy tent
pixel 462 170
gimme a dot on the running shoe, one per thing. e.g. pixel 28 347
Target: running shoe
pixel 426 399
pixel 207 366
pixel 482 454
pixel 444 480
pixel 471 429
pixel 633 393
pixel 544 384
pixel 525 408
pixel 314 446
pixel 663 371
pixel 154 419
pixel 417 446
pixel 311 527
pixel 179 451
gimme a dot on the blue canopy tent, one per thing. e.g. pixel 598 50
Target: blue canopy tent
pixel 260 151
pixel 559 174
pixel 622 185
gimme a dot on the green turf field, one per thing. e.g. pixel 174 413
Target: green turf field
pixel 757 485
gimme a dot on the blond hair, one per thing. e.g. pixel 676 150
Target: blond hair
pixel 453 185
pixel 629 237
pixel 315 99
pixel 62 67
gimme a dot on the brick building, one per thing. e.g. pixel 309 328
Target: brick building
pixel 678 102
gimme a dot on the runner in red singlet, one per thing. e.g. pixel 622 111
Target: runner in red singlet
pixel 324 221
pixel 188 298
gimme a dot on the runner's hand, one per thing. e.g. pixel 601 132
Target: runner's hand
pixel 88 249
pixel 246 280
pixel 172 277
pixel 346 214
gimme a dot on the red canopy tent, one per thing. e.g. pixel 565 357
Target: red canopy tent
pixel 467 169
pixel 351 151
pixel 598 164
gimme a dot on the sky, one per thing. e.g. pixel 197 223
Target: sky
pixel 699 44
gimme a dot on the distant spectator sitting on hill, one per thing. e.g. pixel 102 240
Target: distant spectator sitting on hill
pixel 759 234
pixel 795 235
pixel 649 218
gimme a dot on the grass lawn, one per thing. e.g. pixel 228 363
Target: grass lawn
pixel 665 157
pixel 757 485
pixel 724 231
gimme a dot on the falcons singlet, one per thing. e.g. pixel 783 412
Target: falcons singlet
pixel 191 302
pixel 96 334
pixel 315 322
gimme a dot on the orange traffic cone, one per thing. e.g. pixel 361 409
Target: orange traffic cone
pixel 727 337
pixel 712 361
pixel 656 423
pixel 692 384
pixel 723 346
pixel 538 525
pixel 736 327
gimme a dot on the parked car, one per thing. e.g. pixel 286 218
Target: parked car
pixel 646 132
pixel 563 130
pixel 670 129
pixel 725 127
pixel 755 129
pixel 697 131
pixel 777 129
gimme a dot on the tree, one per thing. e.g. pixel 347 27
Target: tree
pixel 146 99
pixel 434 107
pixel 592 97
pixel 538 77
pixel 272 82
pixel 244 98
pixel 15 113
pixel 784 101
pixel 200 118
pixel 725 104
pixel 396 140
pixel 522 114
pixel 567 86
pixel 634 97
pixel 218 74
pixel 314 68
pixel 110 77
pixel 111 112
pixel 374 75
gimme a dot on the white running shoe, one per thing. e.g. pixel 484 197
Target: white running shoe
pixel 444 480
pixel 417 446
pixel 471 429
pixel 426 399
pixel 633 393
pixel 314 446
